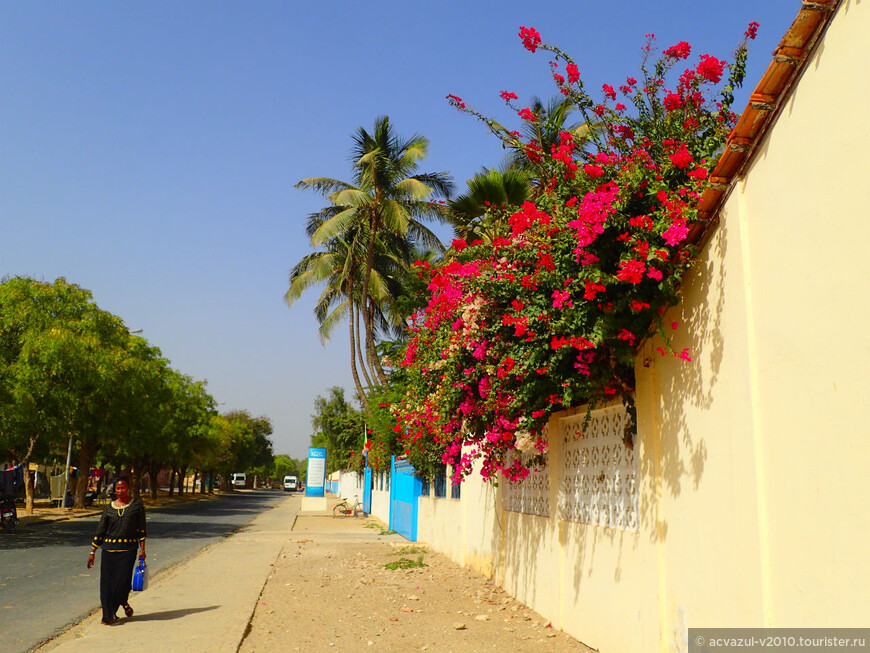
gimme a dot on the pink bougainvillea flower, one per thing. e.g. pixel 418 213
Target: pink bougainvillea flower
pixel 608 91
pixel 560 299
pixel 456 101
pixel 459 244
pixel 675 234
pixel 507 96
pixel 752 30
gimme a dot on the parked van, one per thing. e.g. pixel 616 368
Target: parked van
pixel 239 479
pixel 291 484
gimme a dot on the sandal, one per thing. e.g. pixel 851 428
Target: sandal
pixel 109 623
pixel 128 610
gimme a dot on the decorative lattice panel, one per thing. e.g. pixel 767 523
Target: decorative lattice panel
pixel 599 473
pixel 532 495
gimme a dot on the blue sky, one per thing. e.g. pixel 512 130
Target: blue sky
pixel 149 150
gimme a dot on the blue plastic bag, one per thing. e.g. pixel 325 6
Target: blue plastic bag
pixel 140 576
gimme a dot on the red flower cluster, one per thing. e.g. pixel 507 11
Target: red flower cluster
pixel 456 101
pixel 527 114
pixel 752 30
pixel 711 68
pixel 679 51
pixel 531 38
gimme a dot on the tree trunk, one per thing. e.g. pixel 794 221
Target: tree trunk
pixel 374 360
pixel 354 317
pixel 29 477
pixel 136 482
pixel 172 482
pixel 182 475
pixel 153 471
pixel 362 395
pixel 85 455
pixel 29 482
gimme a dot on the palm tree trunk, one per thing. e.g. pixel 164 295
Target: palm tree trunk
pixel 354 318
pixel 359 388
pixel 368 322
pixel 374 361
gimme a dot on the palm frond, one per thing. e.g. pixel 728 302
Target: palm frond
pixel 323 185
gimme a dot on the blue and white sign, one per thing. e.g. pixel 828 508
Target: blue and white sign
pixel 316 477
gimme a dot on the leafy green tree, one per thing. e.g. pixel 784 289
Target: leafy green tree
pixel 187 426
pixel 285 466
pixel 61 359
pixel 338 427
pixel 244 444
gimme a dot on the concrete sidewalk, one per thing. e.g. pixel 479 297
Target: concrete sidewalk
pixel 206 603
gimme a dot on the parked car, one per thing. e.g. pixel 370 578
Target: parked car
pixel 291 484
pixel 239 479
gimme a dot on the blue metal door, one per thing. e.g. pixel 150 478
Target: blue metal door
pixel 405 490
pixel 367 491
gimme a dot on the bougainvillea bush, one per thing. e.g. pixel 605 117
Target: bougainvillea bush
pixel 550 314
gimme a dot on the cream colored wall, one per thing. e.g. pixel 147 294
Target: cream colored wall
pixel 752 458
pixel 804 212
pixel 466 530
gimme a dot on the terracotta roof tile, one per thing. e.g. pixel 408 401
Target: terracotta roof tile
pixel 789 60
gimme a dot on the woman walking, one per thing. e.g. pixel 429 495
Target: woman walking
pixel 120 531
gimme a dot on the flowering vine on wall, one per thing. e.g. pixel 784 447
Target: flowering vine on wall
pixel 549 313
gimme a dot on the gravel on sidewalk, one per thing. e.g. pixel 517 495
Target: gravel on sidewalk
pixel 334 589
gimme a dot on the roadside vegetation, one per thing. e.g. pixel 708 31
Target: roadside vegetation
pixel 74 378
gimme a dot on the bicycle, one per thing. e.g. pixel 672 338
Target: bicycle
pixel 346 508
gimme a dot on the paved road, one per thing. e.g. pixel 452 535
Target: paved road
pixel 45 585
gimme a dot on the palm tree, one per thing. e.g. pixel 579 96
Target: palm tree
pixel 497 188
pixel 387 198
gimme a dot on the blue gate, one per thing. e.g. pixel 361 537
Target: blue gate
pixel 367 491
pixel 405 490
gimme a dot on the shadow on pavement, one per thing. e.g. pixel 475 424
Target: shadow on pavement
pixel 168 615
pixel 195 520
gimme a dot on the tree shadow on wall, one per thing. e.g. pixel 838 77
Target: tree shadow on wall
pixel 679 387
